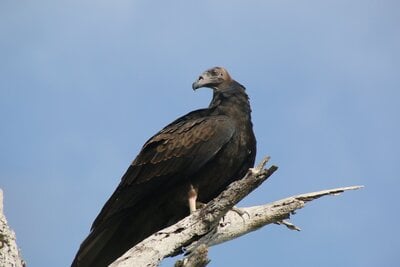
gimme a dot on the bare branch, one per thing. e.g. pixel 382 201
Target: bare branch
pixel 234 226
pixel 198 258
pixel 216 223
pixel 171 240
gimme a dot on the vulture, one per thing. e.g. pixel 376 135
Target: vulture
pixel 189 162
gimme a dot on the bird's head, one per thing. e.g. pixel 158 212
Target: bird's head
pixel 215 78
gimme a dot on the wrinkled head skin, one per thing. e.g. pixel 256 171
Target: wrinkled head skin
pixel 216 78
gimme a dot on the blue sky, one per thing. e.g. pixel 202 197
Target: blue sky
pixel 83 84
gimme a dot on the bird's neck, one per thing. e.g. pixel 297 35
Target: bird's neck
pixel 232 101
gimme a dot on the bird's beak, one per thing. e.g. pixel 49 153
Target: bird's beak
pixel 197 84
pixel 202 81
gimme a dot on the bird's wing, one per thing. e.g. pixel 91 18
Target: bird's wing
pixel 176 152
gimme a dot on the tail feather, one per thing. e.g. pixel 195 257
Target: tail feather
pixel 91 250
pixel 112 238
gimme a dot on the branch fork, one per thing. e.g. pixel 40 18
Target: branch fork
pixel 219 221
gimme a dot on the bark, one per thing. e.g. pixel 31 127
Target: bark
pixel 9 253
pixel 198 258
pixel 219 221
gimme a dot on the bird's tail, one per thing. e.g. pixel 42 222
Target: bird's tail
pixel 91 252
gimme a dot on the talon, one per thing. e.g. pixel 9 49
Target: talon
pixel 240 212
pixel 200 205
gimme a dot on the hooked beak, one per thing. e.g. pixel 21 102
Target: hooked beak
pixel 204 80
pixel 198 83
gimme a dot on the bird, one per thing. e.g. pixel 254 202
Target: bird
pixel 182 167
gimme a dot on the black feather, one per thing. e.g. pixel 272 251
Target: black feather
pixel 207 148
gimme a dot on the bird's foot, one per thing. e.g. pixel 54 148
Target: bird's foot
pixel 238 211
pixel 200 205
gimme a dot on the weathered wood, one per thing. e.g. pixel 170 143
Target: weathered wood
pixel 171 240
pixel 253 218
pixel 205 228
pixel 198 258
pixel 9 253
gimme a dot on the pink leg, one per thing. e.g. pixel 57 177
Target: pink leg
pixel 192 197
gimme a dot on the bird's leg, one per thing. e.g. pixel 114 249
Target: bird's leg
pixel 192 197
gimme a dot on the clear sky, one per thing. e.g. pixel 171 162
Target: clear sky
pixel 83 84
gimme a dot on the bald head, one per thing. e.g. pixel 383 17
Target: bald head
pixel 215 78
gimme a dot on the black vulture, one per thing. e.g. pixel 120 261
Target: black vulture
pixel 188 162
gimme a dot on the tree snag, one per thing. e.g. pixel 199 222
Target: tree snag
pixel 219 221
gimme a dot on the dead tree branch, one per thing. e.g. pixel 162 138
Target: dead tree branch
pixel 9 253
pixel 205 228
pixel 197 258
pixel 234 225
